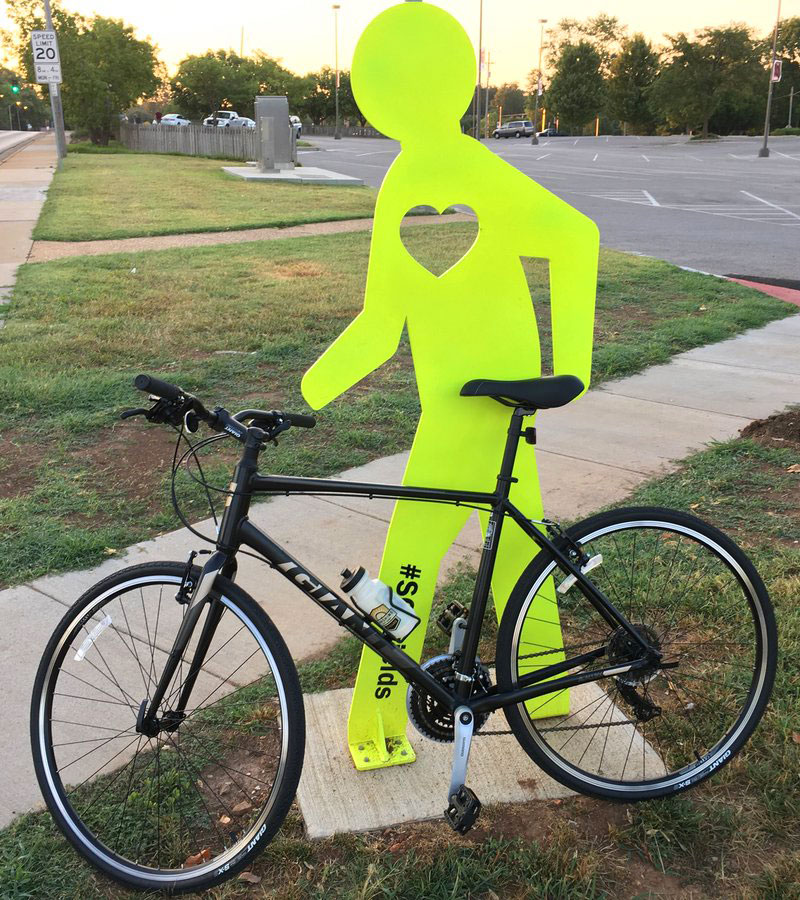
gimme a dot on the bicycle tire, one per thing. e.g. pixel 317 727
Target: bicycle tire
pixel 538 737
pixel 287 701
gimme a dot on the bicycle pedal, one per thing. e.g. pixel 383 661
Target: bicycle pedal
pixel 449 614
pixel 463 810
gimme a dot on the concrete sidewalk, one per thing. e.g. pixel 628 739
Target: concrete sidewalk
pixel 591 453
pixel 25 175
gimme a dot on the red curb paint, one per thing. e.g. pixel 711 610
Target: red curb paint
pixel 782 293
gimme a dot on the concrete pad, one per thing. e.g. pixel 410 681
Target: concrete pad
pixel 713 387
pixel 302 175
pixel 16 243
pixel 8 274
pixel 773 348
pixel 334 798
pixel 20 211
pixel 29 621
pixel 574 488
pixel 630 434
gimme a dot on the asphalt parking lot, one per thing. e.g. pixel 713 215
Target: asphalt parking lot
pixel 712 206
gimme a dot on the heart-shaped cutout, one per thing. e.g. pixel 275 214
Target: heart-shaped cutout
pixel 439 248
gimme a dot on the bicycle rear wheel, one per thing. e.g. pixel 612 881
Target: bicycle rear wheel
pixel 188 807
pixel 692 593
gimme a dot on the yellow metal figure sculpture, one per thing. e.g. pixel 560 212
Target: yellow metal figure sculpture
pixel 413 75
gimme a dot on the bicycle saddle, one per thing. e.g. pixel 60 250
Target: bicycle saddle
pixel 538 393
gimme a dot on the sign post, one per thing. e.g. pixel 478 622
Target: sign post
pixel 774 75
pixel 47 63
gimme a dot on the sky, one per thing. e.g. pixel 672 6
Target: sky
pixel 301 32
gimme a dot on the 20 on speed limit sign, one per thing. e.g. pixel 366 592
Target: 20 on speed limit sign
pixel 46 60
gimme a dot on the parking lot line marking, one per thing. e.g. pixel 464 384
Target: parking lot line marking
pixel 576 142
pixel 545 156
pixel 645 158
pixel 773 205
pixel 651 198
pixel 786 155
pixel 595 156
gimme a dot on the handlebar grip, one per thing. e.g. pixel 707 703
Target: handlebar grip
pixel 299 420
pixel 158 387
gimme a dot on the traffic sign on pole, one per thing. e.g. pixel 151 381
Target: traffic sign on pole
pixel 777 70
pixel 46 60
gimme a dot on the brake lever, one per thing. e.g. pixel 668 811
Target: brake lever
pixel 129 413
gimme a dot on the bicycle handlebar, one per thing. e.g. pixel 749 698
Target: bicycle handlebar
pixel 171 392
pixel 159 388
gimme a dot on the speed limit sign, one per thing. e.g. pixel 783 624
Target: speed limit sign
pixel 46 60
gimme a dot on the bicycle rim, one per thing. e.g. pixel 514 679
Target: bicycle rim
pixel 192 800
pixel 660 729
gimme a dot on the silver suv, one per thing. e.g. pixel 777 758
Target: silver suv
pixel 514 128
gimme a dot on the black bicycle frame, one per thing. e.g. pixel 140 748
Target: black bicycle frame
pixel 236 530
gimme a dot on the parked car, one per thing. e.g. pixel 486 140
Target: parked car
pixel 515 128
pixel 221 118
pixel 241 122
pixel 174 119
pixel 297 125
pixel 551 132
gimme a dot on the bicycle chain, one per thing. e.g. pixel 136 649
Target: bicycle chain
pixel 557 727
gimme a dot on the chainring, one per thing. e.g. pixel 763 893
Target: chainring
pixel 428 716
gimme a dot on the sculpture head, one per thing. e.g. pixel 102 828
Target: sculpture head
pixel 413 71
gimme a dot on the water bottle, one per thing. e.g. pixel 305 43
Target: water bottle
pixel 379 601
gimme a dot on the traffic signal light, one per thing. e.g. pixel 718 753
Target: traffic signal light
pixel 15 85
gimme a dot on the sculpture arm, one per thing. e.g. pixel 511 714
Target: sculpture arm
pixel 367 342
pixel 571 241
pixel 573 287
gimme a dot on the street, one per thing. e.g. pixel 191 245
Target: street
pixel 711 206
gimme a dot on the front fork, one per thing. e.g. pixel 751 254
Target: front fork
pixel 147 720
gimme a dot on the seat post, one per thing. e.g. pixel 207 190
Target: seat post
pixel 504 479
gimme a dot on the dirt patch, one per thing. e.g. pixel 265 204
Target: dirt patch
pixel 134 458
pixel 18 464
pixel 300 269
pixel 780 430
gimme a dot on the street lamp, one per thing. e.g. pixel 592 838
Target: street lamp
pixel 534 138
pixel 764 151
pixel 476 103
pixel 337 134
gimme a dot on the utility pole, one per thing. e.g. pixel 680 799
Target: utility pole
pixel 488 76
pixel 791 103
pixel 56 108
pixel 534 138
pixel 476 118
pixel 764 151
pixel 337 134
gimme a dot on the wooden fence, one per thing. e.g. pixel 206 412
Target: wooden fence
pixel 193 140
pixel 345 131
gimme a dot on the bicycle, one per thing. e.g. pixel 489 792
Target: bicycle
pixel 668 638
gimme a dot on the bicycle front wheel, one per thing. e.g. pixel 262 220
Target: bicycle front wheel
pixel 188 806
pixel 693 594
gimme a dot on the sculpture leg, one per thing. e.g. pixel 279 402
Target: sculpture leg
pixel 541 633
pixel 419 536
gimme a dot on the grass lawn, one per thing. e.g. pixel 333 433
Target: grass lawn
pixel 122 194
pixel 239 325
pixel 735 836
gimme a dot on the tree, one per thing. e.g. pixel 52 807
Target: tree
pixel 319 102
pixel 511 97
pixel 631 76
pixel 105 67
pixel 22 109
pixel 576 90
pixel 603 32
pixel 221 79
pixel 718 72
pixel 789 51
